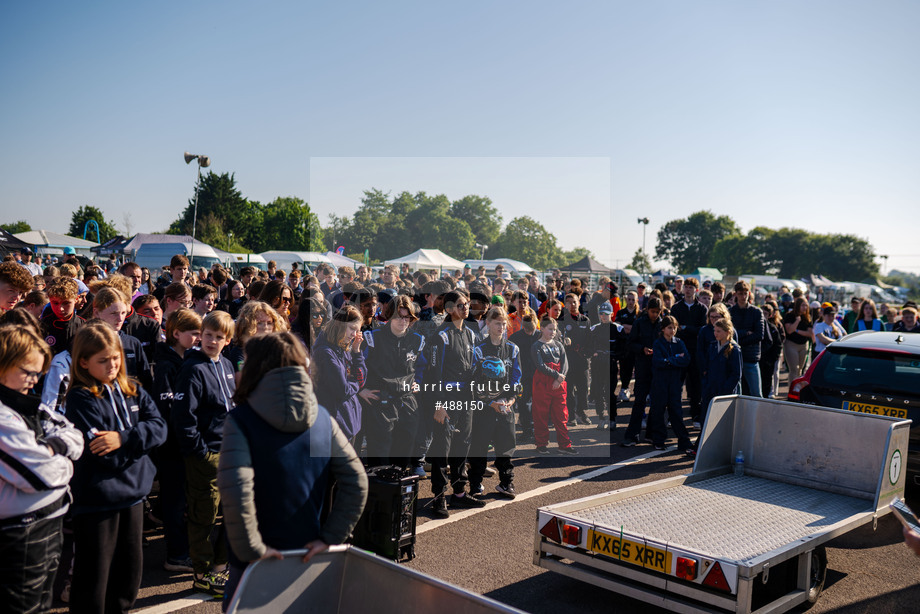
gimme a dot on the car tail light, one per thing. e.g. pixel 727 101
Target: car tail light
pixel 551 530
pixel 795 390
pixel 686 568
pixel 801 383
pixel 571 534
pixel 716 579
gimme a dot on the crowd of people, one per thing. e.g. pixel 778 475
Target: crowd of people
pixel 111 377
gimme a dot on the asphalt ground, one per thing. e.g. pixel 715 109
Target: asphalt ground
pixel 490 551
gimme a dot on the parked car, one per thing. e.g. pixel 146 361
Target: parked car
pixel 869 372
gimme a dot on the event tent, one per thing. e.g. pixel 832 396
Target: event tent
pixel 47 242
pixel 586 265
pixel 9 243
pixel 338 260
pixel 428 259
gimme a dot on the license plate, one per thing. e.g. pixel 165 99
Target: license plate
pixel 629 551
pixel 878 410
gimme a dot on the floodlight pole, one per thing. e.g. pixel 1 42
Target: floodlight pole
pixel 202 161
pixel 644 222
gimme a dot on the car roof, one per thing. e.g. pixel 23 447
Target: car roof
pixel 895 342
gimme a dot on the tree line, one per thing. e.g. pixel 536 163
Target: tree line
pixel 706 240
pixel 393 226
pixel 383 225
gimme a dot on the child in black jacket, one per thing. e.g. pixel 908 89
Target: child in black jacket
pixel 121 425
pixel 202 399
pixel 183 330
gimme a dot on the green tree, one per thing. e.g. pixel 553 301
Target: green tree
pixel 430 225
pixel 527 240
pixel 219 197
pixel 16 227
pixel 748 254
pixel 332 234
pixel 842 257
pixel 576 254
pixel 688 243
pixel 640 263
pixel 483 218
pixel 85 213
pixel 288 224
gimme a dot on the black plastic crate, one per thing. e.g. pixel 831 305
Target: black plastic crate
pixel 387 526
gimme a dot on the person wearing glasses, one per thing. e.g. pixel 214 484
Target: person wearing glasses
pixel 279 296
pixel 390 416
pixel 38 449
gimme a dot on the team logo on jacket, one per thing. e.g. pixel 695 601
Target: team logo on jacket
pixel 411 357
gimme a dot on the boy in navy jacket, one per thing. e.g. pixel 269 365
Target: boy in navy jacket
pixel 669 358
pixel 201 401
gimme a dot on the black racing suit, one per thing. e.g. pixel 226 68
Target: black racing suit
pixel 578 331
pixel 390 423
pixel 448 373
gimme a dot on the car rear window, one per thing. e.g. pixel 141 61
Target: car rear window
pixel 867 370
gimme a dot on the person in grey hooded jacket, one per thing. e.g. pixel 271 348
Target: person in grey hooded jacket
pixel 279 438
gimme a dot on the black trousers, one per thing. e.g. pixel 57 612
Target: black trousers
pixel 390 429
pixel 489 426
pixel 627 362
pixel 522 405
pixel 640 393
pixel 29 557
pixel 451 448
pixel 171 475
pixel 577 394
pixel 691 376
pixel 108 560
pixel 603 373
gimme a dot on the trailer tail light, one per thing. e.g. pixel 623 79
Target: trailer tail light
pixel 686 568
pixel 716 579
pixel 571 534
pixel 551 530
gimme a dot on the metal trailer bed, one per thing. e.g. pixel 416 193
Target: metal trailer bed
pixel 811 474
pixel 347 580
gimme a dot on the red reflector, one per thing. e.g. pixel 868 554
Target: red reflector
pixel 551 530
pixel 716 579
pixel 571 534
pixel 686 568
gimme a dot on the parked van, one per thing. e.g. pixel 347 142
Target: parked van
pixel 155 256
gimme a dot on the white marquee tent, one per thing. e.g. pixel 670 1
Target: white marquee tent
pixel 428 259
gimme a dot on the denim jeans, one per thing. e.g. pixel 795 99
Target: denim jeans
pixel 750 379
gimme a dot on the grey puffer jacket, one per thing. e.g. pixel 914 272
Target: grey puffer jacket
pixel 284 399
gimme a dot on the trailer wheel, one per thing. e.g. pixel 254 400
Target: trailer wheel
pixel 818 573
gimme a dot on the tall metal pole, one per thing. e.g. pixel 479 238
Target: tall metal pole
pixel 195 214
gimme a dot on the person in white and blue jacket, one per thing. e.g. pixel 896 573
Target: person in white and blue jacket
pixel 37 450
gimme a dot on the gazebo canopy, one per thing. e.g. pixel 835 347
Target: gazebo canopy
pixel 587 265
pixel 9 243
pixel 428 259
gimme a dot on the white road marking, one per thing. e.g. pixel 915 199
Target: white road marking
pixel 195 599
pixel 176 604
pixel 455 516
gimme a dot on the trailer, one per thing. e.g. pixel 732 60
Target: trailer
pixel 716 541
pixel 344 580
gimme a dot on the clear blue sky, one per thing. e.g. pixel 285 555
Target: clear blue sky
pixel 777 113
